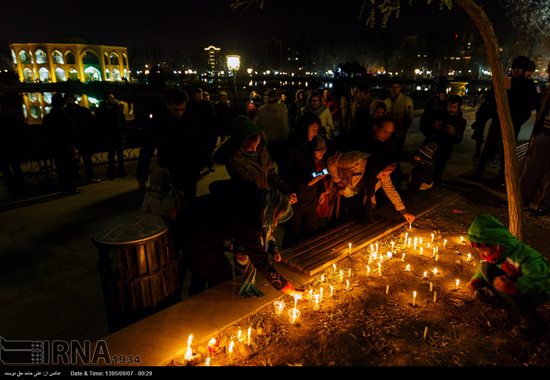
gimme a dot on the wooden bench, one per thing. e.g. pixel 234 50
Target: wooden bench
pixel 316 254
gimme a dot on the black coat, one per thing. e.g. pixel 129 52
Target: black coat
pixel 232 210
pixel 61 132
pixel 440 136
pixel 179 149
pixel 111 122
pixel 296 166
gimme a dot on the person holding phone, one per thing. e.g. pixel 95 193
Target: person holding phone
pixel 298 170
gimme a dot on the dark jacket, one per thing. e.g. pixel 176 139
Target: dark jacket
pixel 256 167
pixel 84 121
pixel 421 178
pixel 204 111
pixel 224 113
pixel 444 139
pixel 296 166
pixel 232 210
pixel 179 149
pixel 61 132
pixel 111 122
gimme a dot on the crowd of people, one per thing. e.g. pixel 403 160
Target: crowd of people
pixel 307 160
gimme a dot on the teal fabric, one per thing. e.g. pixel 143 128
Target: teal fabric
pixel 248 286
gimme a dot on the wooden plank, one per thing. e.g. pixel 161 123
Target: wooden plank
pixel 314 241
pixel 342 248
pixel 330 241
pixel 339 244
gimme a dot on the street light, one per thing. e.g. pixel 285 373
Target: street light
pixel 233 63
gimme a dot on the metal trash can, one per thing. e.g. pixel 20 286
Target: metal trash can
pixel 138 267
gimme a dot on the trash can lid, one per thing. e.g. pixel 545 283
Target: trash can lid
pixel 131 228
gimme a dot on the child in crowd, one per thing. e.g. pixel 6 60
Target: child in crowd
pixel 512 274
pixel 162 198
pixel 422 177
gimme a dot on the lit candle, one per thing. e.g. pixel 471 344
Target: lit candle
pixel 409 243
pixel 433 254
pixel 431 286
pixel 432 238
pixel 425 275
pixel 437 249
pixel 392 245
pixel 368 270
pixel 379 270
pixel 371 248
pixel 231 362
pixel 462 239
pixel 239 335
pixel 377 248
pixel 334 266
pixel 403 257
pixel 370 258
pixel 435 296
pixel 406 235
pixel 389 255
pixel 469 257
pixel 207 362
pixel 436 257
pixel 456 287
pixel 387 289
pixel 331 290
pixel 410 226
pixel 322 278
pixel 347 285
pixel 435 270
pixel 421 250
pixel 420 241
pixel 341 276
pixel 316 298
pixel 425 333
pixel 248 340
pixel 295 301
pixel 414 298
pixel 415 240
pixel 349 249
pixel 444 243
pixel 293 314
pixel 189 352
pixel 408 268
pixel 349 272
pixel 428 245
pixel 279 306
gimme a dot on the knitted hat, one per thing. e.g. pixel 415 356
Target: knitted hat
pixel 426 152
pixel 321 145
pixel 222 93
pixel 520 62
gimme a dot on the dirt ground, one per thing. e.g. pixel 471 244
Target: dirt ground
pixel 364 326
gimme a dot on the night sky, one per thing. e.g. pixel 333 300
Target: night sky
pixel 193 25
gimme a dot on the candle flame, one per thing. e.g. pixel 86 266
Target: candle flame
pixel 231 346
pixel 207 362
pixel 435 270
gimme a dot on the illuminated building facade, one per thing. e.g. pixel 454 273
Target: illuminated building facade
pixel 72 59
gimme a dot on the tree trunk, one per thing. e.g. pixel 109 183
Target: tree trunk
pixel 515 206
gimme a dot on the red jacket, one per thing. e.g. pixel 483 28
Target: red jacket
pixel 332 105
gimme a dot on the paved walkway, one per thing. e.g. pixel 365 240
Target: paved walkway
pixel 49 285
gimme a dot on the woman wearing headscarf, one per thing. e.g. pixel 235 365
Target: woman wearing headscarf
pixel 357 178
pixel 296 167
pixel 315 106
pixel 232 209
